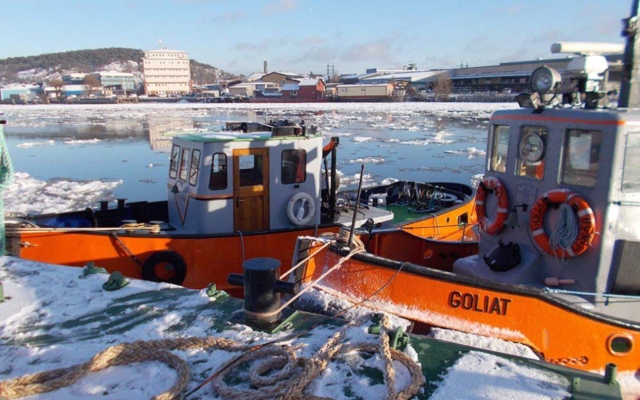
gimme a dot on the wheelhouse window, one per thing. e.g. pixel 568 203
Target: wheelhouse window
pixel 499 147
pixel 184 164
pixel 531 152
pixel 173 162
pixel 251 170
pixel 294 166
pixel 218 177
pixel 581 157
pixel 631 169
pixel 195 166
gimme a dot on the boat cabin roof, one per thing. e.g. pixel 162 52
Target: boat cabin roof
pixel 238 137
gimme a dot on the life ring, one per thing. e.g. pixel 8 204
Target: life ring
pixel 298 217
pixel 587 222
pixel 169 261
pixel 492 184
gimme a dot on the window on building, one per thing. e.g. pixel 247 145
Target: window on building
pixel 531 152
pixel 173 163
pixel 184 164
pixel 582 157
pixel 195 166
pixel 631 169
pixel 218 177
pixel 499 147
pixel 294 166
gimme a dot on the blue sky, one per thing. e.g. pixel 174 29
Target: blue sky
pixel 307 35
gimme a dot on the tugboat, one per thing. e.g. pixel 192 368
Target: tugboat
pixel 232 195
pixel 558 213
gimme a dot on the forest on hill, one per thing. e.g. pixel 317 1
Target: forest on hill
pixel 45 67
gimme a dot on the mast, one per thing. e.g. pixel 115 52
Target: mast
pixel 630 86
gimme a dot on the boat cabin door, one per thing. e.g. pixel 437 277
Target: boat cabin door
pixel 251 189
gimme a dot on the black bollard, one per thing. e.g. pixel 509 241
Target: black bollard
pixel 262 290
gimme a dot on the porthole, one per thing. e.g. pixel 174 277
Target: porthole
pixel 620 344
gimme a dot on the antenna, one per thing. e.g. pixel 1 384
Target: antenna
pixel 629 89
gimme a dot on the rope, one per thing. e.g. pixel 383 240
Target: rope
pixel 310 286
pixel 289 385
pixel 566 229
pixel 608 295
pixel 121 354
pixel 6 177
pixel 153 228
pixel 289 382
pixel 242 245
pixel 299 264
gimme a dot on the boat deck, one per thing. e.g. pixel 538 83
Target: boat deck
pixel 57 316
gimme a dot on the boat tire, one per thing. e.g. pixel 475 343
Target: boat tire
pixel 303 219
pixel 167 259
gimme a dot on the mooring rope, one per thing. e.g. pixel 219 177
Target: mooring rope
pixel 120 354
pixel 309 287
pixel 289 382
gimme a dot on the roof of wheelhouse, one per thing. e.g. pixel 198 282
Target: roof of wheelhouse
pixel 239 137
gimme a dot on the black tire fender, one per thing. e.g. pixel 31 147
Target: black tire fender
pixel 167 258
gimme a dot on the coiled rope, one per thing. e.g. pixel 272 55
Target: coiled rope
pixel 566 231
pixel 290 382
pixel 6 177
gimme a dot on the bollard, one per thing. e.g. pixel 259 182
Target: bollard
pixel 262 290
pixel 610 372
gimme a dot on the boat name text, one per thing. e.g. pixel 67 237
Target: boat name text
pixel 473 302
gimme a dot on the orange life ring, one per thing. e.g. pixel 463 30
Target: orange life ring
pixel 587 224
pixel 492 184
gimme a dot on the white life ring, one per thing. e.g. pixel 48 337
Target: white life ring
pixel 298 217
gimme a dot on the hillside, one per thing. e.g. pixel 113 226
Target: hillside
pixel 46 67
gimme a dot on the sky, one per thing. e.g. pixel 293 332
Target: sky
pixel 314 35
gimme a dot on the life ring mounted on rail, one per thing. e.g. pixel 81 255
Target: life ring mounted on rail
pixel 487 185
pixel 304 214
pixel 586 222
pixel 165 266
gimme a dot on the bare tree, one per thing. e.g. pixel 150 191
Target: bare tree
pixel 443 86
pixel 57 84
pixel 91 83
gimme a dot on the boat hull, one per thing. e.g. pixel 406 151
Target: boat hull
pixel 561 332
pixel 207 259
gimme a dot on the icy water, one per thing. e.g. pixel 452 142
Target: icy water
pixel 130 143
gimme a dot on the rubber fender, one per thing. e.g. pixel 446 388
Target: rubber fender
pixel 165 259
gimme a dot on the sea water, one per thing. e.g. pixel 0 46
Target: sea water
pixel 131 143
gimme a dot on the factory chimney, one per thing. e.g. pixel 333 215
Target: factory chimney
pixel 265 67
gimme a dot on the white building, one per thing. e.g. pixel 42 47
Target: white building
pixel 166 72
